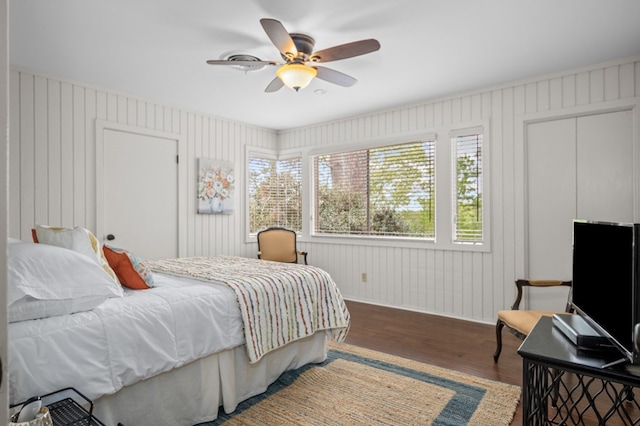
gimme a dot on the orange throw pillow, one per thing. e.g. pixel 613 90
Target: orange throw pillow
pixel 130 269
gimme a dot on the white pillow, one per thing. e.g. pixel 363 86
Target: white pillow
pixel 78 239
pixel 47 272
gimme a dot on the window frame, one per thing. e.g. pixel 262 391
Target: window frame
pixel 444 180
pixel 445 228
pixel 272 154
pixel 453 135
pixel 359 148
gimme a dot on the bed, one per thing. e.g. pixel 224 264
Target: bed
pixel 173 352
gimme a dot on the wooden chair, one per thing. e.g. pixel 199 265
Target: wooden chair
pixel 279 244
pixel 520 322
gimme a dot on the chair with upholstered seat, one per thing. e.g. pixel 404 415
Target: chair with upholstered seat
pixel 521 322
pixel 279 244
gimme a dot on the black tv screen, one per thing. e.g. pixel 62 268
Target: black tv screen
pixel 605 282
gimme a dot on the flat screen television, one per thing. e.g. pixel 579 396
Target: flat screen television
pixel 606 287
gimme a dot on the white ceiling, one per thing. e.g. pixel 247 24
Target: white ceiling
pixel 156 49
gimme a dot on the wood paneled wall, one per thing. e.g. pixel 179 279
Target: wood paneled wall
pixel 53 157
pixel 52 177
pixel 463 284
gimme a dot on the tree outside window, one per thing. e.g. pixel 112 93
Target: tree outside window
pixel 385 191
pixel 468 182
pixel 275 193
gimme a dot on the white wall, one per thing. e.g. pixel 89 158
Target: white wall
pixel 53 157
pixel 52 177
pixel 465 284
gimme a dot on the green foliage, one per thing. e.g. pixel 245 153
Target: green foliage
pixel 392 176
pixel 341 212
pixel 396 181
pixel 467 180
pixel 422 221
pixel 275 199
pixel 469 202
pixel 469 225
pixel 387 221
pixel 384 191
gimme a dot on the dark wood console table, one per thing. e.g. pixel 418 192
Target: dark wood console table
pixel 563 385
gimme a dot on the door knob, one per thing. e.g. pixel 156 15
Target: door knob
pixel 111 237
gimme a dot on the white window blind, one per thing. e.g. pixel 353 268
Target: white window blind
pixel 467 196
pixel 275 197
pixel 385 191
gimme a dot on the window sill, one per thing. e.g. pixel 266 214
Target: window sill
pixel 395 242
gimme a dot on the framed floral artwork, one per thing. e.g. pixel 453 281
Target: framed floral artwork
pixel 216 185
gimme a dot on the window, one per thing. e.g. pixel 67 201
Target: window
pixel 274 192
pixel 412 193
pixel 468 194
pixel 383 191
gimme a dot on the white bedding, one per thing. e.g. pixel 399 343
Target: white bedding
pixel 192 394
pixel 176 322
pixel 280 302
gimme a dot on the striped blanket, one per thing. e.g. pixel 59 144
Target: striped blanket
pixel 280 302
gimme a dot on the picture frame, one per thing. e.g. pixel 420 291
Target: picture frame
pixel 215 186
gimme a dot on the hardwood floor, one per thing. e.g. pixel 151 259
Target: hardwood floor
pixel 446 342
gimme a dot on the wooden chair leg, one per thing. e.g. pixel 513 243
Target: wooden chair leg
pixel 499 327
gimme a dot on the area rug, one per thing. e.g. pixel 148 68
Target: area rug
pixel 356 386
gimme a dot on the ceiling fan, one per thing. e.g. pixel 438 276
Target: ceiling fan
pixel 297 51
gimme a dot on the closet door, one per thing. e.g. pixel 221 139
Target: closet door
pixel 576 168
pixel 551 206
pixel 605 167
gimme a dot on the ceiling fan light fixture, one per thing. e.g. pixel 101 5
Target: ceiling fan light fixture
pixel 296 76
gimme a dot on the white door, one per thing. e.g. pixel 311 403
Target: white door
pixel 551 171
pixel 140 193
pixel 576 168
pixel 606 167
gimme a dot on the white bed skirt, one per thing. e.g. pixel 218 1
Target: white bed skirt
pixel 192 394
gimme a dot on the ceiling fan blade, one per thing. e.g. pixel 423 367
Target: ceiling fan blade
pixel 348 50
pixel 335 77
pixel 275 85
pixel 279 37
pixel 240 63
